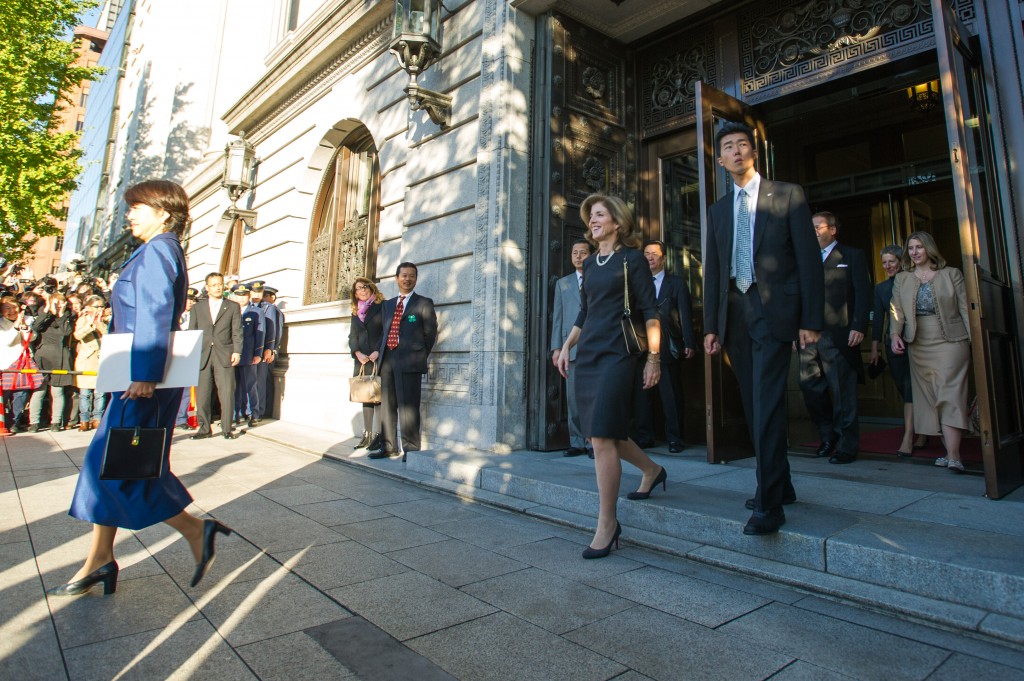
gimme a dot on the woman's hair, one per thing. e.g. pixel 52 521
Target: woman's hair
pixel 892 250
pixel 162 195
pixel 378 297
pixel 629 233
pixel 930 247
pixel 91 300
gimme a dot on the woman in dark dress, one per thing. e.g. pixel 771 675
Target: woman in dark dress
pixel 898 364
pixel 605 372
pixel 364 337
pixel 147 300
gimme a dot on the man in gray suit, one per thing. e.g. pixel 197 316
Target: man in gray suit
pixel 567 308
pixel 221 323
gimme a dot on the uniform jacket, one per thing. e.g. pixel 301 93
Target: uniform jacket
pixel 253 335
pixel 787 262
pixel 417 332
pixel 567 308
pixel 275 317
pixel 221 336
pixel 263 336
pixel 150 291
pixel 676 315
pixel 950 305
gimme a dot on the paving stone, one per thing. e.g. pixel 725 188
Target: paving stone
pixel 662 646
pixel 802 671
pixel 498 531
pixel 192 650
pixel 237 559
pixel 371 653
pixel 547 600
pixel 429 512
pixel 962 668
pixel 976 513
pixel 28 643
pixel 329 566
pixel 281 604
pixel 968 645
pixel 565 558
pixel 456 563
pixel 299 495
pixel 836 645
pixel 291 657
pixel 693 599
pixel 389 534
pixel 342 512
pixel 377 492
pixel 139 605
pixel 508 648
pixel 1007 628
pixel 274 535
pixel 410 604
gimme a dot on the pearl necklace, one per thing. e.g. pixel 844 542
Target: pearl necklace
pixel 597 258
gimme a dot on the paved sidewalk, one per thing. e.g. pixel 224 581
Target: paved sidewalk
pixel 339 572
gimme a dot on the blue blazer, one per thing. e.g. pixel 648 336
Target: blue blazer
pixel 151 289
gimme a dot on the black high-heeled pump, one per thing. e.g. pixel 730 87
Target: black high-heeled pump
pixel 601 553
pixel 106 574
pixel 210 530
pixel 662 477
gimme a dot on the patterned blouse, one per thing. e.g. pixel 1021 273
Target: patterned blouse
pixel 925 300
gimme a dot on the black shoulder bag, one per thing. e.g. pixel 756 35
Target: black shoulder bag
pixel 636 341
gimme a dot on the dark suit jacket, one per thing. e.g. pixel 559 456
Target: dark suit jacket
pixel 883 303
pixel 787 262
pixel 676 315
pixel 847 299
pixel 222 336
pixel 417 332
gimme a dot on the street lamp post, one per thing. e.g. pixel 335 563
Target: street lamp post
pixel 239 166
pixel 416 43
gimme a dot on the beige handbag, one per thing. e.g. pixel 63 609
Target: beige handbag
pixel 363 388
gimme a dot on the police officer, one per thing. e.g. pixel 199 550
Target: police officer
pixel 252 353
pixel 265 338
pixel 276 316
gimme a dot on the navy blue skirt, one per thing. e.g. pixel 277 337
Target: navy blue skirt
pixel 132 504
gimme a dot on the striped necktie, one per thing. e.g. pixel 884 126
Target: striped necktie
pixel 743 265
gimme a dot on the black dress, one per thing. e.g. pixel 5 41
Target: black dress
pixel 605 373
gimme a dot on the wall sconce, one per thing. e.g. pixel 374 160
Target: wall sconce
pixel 416 43
pixel 239 169
pixel 924 97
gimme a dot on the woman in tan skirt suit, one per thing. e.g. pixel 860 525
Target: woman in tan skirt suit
pixel 929 313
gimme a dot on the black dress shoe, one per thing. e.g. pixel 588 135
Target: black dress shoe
pixel 106 574
pixel 365 440
pixel 381 454
pixel 210 530
pixel 590 553
pixel 786 501
pixel 376 443
pixel 826 448
pixel 660 478
pixel 767 522
pixel 253 423
pixel 575 451
pixel 675 447
pixel 842 457
pixel 590 453
pixel 199 436
pixel 230 435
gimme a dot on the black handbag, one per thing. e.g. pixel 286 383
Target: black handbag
pixel 134 453
pixel 636 341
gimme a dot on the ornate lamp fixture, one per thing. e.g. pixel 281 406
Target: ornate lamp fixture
pixel 924 97
pixel 239 167
pixel 416 43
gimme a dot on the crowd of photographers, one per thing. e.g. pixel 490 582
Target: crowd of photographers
pixel 61 319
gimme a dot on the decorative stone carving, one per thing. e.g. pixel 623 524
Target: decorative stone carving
pixel 594 82
pixel 669 76
pixel 594 173
pixel 782 41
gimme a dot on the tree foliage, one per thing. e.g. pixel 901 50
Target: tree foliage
pixel 38 164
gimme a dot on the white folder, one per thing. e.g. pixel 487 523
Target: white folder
pixel 182 370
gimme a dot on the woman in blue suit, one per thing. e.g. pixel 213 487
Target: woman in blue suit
pixel 153 276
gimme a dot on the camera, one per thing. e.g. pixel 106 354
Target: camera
pixel 49 284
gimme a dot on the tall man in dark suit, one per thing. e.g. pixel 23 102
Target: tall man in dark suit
pixel 678 343
pixel 762 291
pixel 411 326
pixel 567 308
pixel 831 368
pixel 221 323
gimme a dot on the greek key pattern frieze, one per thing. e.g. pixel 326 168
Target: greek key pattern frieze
pixel 668 78
pixel 781 41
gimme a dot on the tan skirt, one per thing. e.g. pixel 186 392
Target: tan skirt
pixel 938 376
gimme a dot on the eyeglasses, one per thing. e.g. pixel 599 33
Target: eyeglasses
pixel 360 287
